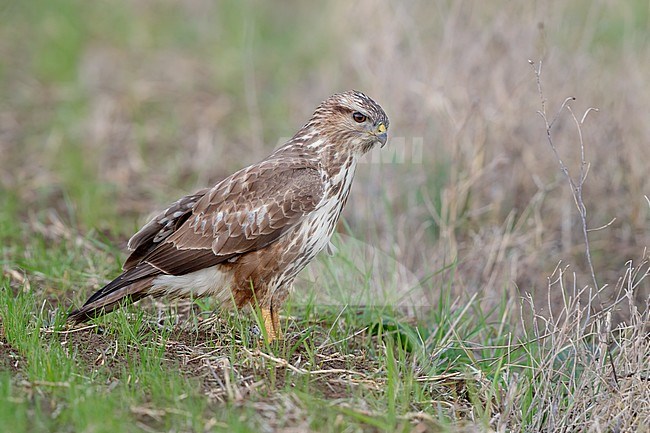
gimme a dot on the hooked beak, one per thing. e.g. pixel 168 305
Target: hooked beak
pixel 381 134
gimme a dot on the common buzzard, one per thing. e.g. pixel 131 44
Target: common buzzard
pixel 244 240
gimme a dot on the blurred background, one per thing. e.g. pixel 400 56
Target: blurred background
pixel 112 109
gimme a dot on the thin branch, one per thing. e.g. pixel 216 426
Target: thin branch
pixel 284 363
pixel 603 226
pixel 576 186
pixel 589 110
pixel 49 330
pixel 582 209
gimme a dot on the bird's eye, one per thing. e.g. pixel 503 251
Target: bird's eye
pixel 358 117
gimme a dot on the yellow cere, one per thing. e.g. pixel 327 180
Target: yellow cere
pixel 381 128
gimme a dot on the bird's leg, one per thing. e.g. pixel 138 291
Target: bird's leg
pixel 275 321
pixel 269 324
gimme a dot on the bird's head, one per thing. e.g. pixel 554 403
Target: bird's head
pixel 351 121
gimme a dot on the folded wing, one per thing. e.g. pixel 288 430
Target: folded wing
pixel 245 212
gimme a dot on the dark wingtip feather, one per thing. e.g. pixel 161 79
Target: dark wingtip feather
pixel 119 291
pixel 78 316
pixel 94 310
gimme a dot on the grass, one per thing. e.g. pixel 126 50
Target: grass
pixel 183 369
pixel 459 299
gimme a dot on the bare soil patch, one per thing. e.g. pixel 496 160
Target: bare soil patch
pixel 10 359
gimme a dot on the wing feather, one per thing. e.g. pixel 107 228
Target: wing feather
pixel 245 212
pixel 160 227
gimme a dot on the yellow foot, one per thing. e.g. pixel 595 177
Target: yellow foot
pixel 271 324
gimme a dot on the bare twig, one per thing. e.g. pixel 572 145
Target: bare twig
pixel 49 330
pixel 284 363
pixel 576 185
pixel 604 226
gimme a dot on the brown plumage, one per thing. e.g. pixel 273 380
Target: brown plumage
pixel 245 239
